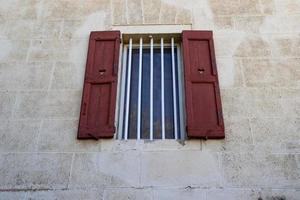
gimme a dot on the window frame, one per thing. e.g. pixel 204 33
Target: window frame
pixel 121 88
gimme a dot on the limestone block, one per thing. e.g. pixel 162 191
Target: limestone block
pixel 274 134
pixel 7 102
pixel 119 12
pixel 65 195
pixel 281 24
pixel 226 44
pixel 230 72
pixel 22 76
pixel 268 6
pixel 14 50
pixel 20 9
pixel 253 46
pixel 47 29
pixel 2 28
pixel 127 193
pixel 50 50
pixel 151 11
pixel 227 7
pixel 167 14
pixel 34 171
pixel 19 29
pixel 223 22
pixel 62 104
pixel 285 46
pixel 183 16
pixel 19 136
pixel 249 7
pixel 235 103
pixel 12 195
pixel 232 194
pixel 60 136
pixel 179 194
pixel 73 9
pixel 180 168
pixel 238 137
pixel 147 145
pixel 134 12
pixel 248 24
pixel 287 7
pixel 94 170
pixel 259 169
pixel 30 105
pixel 271 72
pixel 68 75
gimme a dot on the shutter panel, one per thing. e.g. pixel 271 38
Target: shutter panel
pixel 98 104
pixel 202 92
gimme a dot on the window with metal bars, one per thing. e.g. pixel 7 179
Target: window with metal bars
pixel 151 99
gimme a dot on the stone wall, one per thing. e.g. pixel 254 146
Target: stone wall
pixel 43 47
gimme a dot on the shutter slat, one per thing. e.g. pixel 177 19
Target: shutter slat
pixel 98 105
pixel 202 92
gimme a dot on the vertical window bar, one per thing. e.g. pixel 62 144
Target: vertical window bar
pixel 174 89
pixel 128 90
pixel 163 134
pixel 180 92
pixel 151 88
pixel 140 90
pixel 122 97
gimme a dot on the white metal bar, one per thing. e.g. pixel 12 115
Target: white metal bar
pixel 174 89
pixel 128 90
pixel 180 92
pixel 140 90
pixel 163 134
pixel 122 96
pixel 151 88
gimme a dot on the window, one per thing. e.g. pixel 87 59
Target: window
pixel 149 102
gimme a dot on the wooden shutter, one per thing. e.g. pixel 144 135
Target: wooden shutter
pixel 202 92
pixel 98 105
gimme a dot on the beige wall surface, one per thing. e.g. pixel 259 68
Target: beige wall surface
pixel 43 47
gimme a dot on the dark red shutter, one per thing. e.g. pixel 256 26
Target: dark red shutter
pixel 202 92
pixel 98 105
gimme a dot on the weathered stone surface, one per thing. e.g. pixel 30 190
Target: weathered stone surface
pixel 287 7
pixel 60 136
pixel 183 16
pixel 261 170
pixel 7 102
pixel 55 104
pixel 271 72
pixel 119 12
pixel 12 195
pixel 34 171
pixel 238 137
pixel 180 168
pixel 253 47
pixel 19 136
pixel 134 8
pixel 30 105
pixel 223 22
pixel 230 73
pixel 167 14
pixel 248 24
pixel 68 75
pixel 19 9
pixel 47 29
pixel 156 145
pixel 62 104
pixel 25 76
pixel 280 24
pixel 127 193
pixel 274 134
pixel 14 50
pixel 94 170
pixel 66 195
pixel 285 46
pixel 151 11
pixel 179 194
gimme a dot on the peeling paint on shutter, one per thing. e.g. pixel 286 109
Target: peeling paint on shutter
pixel 98 105
pixel 202 92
